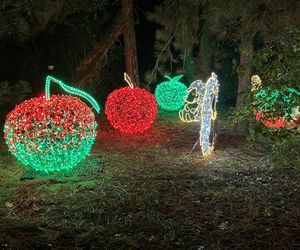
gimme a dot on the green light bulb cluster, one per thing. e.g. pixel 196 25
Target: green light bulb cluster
pixel 170 94
pixel 70 90
pixel 52 134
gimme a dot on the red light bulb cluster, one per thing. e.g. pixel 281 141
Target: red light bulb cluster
pixel 131 110
pixel 37 117
pixel 52 133
pixel 271 122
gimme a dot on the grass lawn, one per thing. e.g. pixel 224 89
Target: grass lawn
pixel 153 193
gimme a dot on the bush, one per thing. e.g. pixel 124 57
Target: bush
pixel 13 94
pixel 276 101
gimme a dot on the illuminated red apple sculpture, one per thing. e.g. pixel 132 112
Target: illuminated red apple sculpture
pixel 131 110
pixel 52 133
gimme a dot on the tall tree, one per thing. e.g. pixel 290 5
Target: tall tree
pixel 244 20
pixel 176 39
pixel 130 42
pixel 22 20
pixel 124 24
pixel 241 23
pixel 36 33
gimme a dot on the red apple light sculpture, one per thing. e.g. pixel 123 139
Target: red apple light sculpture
pixel 52 133
pixel 131 110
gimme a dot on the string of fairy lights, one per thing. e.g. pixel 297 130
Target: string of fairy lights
pixel 55 132
pixel 275 107
pixel 170 94
pixel 200 106
pixel 193 101
pixel 208 114
pixel 52 133
pixel 131 110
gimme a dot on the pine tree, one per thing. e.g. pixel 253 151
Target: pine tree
pixel 123 24
pixel 240 22
pixel 176 39
pixel 22 19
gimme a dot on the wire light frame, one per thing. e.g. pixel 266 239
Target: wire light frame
pixel 201 106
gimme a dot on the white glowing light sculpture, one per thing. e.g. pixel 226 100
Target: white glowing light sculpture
pixel 202 109
pixel 192 108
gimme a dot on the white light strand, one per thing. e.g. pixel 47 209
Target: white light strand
pixel 191 109
pixel 202 108
pixel 208 115
pixel 128 80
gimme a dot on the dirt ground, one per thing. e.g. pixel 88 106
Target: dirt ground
pixel 154 193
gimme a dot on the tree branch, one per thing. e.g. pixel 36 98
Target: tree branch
pixel 90 65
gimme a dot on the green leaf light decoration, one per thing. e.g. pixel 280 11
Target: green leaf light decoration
pixel 70 90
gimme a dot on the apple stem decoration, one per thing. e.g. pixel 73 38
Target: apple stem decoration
pixel 70 90
pixel 131 110
pixel 170 94
pixel 128 80
pixel 52 133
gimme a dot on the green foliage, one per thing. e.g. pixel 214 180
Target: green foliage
pixel 241 115
pixel 281 145
pixel 176 39
pixel 22 19
pixel 14 94
pixel 244 19
pixel 64 34
pixel 285 149
pixel 278 63
pixel 245 22
pixel 5 92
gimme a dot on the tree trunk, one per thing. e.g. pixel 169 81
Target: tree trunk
pixel 91 64
pixel 246 52
pixel 205 58
pixel 130 42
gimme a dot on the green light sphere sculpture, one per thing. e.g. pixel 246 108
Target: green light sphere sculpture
pixel 170 94
pixel 52 133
